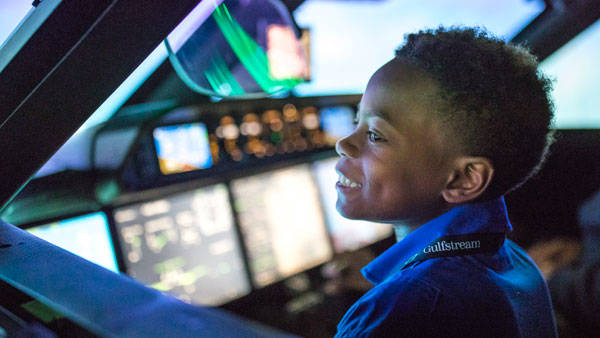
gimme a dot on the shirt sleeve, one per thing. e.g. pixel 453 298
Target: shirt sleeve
pixel 399 308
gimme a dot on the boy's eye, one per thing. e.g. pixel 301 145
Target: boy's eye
pixel 373 137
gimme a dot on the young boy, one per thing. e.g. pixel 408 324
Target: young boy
pixel 455 121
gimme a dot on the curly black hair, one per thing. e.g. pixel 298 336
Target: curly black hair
pixel 494 99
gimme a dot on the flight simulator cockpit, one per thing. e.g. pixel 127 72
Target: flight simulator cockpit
pixel 168 169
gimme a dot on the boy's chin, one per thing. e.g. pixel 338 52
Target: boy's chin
pixel 352 213
pixel 363 215
pixel 352 217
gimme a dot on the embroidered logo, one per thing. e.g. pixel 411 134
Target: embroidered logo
pixel 452 246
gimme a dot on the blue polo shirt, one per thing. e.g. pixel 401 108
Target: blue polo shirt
pixel 499 294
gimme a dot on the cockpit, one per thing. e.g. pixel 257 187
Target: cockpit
pixel 187 151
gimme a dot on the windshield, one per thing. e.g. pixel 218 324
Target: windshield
pixel 11 15
pixel 576 81
pixel 362 35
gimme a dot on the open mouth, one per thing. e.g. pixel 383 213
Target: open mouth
pixel 346 182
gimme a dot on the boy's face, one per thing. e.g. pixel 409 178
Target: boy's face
pixel 396 162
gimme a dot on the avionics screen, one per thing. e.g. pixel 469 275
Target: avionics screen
pixel 347 234
pixel 181 148
pixel 337 122
pixel 185 245
pixel 87 236
pixel 282 223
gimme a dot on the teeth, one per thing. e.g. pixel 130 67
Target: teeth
pixel 345 181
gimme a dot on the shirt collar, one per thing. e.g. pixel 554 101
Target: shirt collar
pixel 489 216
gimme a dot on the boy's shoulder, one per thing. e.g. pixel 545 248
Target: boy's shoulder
pixel 476 274
pixel 402 305
pixel 444 293
pixel 422 304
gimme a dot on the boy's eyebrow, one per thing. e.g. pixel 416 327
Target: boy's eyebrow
pixel 372 113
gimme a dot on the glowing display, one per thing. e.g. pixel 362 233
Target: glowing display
pixel 286 55
pixel 575 69
pixel 185 245
pixel 282 223
pixel 227 54
pixel 87 236
pixel 347 234
pixel 182 148
pixel 249 52
pixel 337 122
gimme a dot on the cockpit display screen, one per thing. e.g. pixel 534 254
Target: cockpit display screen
pixel 282 223
pixel 347 234
pixel 87 236
pixel 181 148
pixel 186 245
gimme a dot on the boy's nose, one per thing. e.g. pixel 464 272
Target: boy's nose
pixel 346 148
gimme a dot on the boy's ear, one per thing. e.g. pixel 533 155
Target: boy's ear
pixel 469 179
